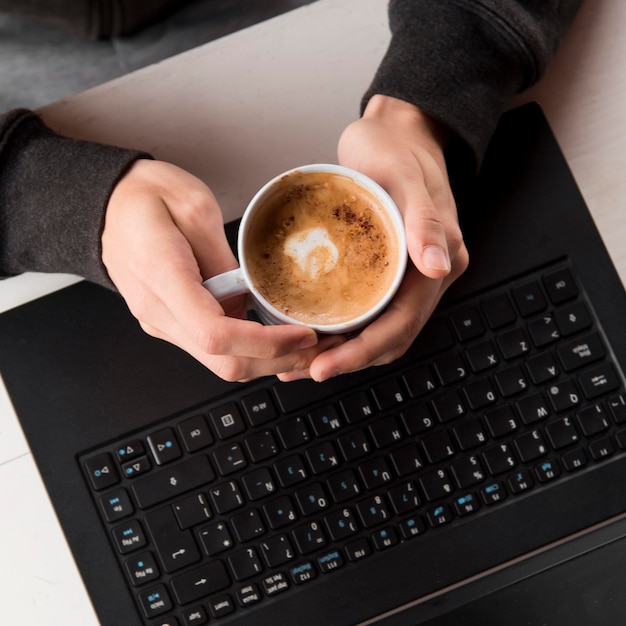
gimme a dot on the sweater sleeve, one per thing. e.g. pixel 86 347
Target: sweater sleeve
pixel 460 60
pixel 53 195
pixel 93 18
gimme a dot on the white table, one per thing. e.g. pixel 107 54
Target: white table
pixel 235 112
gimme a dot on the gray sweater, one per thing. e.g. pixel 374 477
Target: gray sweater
pixel 458 60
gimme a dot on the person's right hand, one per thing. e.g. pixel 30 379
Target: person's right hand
pixel 164 235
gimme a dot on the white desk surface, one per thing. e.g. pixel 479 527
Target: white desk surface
pixel 239 110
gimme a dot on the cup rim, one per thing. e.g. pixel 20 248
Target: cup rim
pixel 398 224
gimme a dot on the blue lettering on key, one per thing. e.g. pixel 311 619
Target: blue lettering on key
pixel 492 488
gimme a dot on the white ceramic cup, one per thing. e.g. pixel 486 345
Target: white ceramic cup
pixel 238 281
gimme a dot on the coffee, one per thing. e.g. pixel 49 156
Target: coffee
pixel 322 249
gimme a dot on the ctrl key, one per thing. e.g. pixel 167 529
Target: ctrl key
pixel 155 601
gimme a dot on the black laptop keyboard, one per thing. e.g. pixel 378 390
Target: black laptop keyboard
pixel 227 506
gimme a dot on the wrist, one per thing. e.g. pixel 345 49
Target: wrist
pixel 406 115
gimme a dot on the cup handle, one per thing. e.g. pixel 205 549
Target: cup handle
pixel 227 285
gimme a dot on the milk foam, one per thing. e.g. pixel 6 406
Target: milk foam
pixel 313 250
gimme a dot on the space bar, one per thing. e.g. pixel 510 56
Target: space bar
pixel 299 394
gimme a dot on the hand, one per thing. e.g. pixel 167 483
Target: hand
pixel 402 149
pixel 163 235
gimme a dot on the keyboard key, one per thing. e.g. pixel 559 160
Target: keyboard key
pixel 593 420
pixel 195 616
pixel 130 450
pixel 330 562
pixel 617 405
pixel 520 481
pixel 344 486
pixel 164 446
pixel 138 466
pixel 438 446
pixel 581 352
pixel 419 381
pixel 323 457
pixel 385 538
pixel 280 512
pixel 373 511
pixel 574 460
pixel 501 421
pixel 192 511
pixel 258 484
pixel 386 431
pixel 482 356
pixel 499 459
pixel 172 481
pixel 141 569
pixel 470 434
pixel 354 445
pixel 480 393
pixel 341 524
pixel 293 433
pixel 412 527
pixel 529 298
pixel 227 420
pixel 466 504
pixel 547 471
pixel 303 573
pixel 259 407
pixel 291 470
pixel 467 471
pixel 601 449
pixel 248 525
pixel 102 471
pixel 450 368
pixel 513 343
pixel 560 285
pixel 563 396
pixel 417 419
pixel 358 549
pixel 155 601
pixel 116 505
pixel 511 380
pixel 533 408
pixel 436 485
pixel 129 536
pixel 531 446
pixel 598 381
pixel 573 319
pixel 245 564
pixel 542 368
pixel 195 433
pixel 226 497
pixel 357 407
pixel 261 445
pixel 274 584
pixel 493 493
pixel 389 394
pixel 449 406
pixel 467 323
pixel 375 473
pixel 176 548
pixel 312 499
pixel 544 331
pixel 439 516
pixel 309 537
pixel 406 459
pixel 248 595
pixel 200 582
pixel 229 459
pixel 325 420
pixel 498 311
pixel 562 433
pixel 215 538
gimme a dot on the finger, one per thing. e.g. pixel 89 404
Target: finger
pixel 389 336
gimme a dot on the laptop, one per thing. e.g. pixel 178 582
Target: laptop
pixel 478 479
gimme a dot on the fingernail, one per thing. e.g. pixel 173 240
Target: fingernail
pixel 328 376
pixel 289 377
pixel 436 258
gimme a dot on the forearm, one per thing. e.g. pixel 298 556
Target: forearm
pixel 459 61
pixel 53 195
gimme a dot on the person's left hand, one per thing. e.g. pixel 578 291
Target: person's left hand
pixel 401 148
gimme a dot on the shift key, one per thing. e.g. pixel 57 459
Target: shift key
pixel 172 481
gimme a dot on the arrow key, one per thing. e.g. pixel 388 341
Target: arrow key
pixel 200 582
